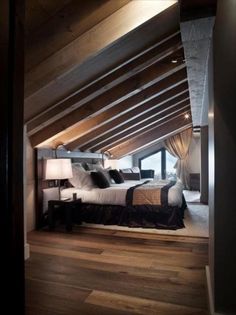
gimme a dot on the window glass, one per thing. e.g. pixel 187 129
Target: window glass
pixel 152 162
pixel 170 163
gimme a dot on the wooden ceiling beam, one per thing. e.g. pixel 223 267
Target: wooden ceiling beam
pixel 156 134
pixel 142 127
pixel 177 80
pixel 119 93
pixel 68 22
pixel 155 141
pixel 143 112
pixel 128 115
pixel 106 32
pixel 121 73
pixel 97 63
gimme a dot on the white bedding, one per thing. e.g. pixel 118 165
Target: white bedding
pixel 116 194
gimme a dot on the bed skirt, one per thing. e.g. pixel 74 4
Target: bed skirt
pixel 157 217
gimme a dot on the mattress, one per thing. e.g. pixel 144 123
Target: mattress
pixel 116 193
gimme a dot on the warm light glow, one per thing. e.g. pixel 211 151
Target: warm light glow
pixel 211 115
pixel 138 12
pixel 186 116
pixel 111 163
pixel 58 169
pixel 174 61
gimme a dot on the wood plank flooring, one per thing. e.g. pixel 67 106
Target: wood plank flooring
pixel 95 271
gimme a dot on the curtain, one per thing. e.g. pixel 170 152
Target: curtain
pixel 178 145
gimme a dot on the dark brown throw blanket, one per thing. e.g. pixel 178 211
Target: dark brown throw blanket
pixel 148 215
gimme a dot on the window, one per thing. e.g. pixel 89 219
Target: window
pixel 162 162
pixel 152 162
pixel 170 163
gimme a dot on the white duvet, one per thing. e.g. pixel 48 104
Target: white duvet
pixel 116 194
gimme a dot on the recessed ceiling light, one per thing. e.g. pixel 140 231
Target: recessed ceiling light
pixel 186 116
pixel 174 60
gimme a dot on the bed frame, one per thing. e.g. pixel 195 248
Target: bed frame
pixel 40 156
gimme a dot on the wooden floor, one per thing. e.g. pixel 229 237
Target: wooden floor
pixel 105 272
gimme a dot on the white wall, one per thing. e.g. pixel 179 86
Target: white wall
pixel 194 161
pixel 125 162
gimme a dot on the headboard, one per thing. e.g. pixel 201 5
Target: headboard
pixel 41 155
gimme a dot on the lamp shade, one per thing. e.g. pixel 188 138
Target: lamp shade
pixel 58 169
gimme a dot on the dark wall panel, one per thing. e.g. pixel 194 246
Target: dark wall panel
pixel 11 155
pixel 204 164
pixel 211 170
pixel 224 251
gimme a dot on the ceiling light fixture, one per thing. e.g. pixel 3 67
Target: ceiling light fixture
pixel 178 59
pixel 186 116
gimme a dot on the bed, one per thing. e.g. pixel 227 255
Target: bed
pixel 146 203
pixel 113 205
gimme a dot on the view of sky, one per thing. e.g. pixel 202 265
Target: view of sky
pixel 154 162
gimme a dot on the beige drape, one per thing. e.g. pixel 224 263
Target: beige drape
pixel 178 145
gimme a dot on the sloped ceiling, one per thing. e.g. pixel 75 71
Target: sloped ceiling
pixel 96 81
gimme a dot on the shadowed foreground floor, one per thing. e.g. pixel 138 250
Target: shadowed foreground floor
pixel 95 271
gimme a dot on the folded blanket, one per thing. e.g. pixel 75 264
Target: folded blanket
pixel 148 194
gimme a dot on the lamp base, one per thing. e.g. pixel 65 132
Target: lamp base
pixel 59 189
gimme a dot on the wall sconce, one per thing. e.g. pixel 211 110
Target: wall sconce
pixel 60 145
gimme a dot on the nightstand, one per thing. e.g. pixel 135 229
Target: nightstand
pixel 67 206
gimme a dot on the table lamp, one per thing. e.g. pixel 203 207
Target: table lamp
pixel 57 169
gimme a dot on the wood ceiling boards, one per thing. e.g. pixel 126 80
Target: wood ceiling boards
pixel 126 89
pixel 93 53
pixel 139 129
pixel 126 70
pixel 130 119
pixel 158 133
pixel 76 136
pixel 57 24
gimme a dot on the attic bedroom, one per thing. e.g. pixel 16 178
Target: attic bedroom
pixel 119 188
pixel 118 99
pixel 108 101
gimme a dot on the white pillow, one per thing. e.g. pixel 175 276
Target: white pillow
pixel 135 169
pixel 96 167
pixel 75 181
pixel 81 178
pixel 126 170
pixel 77 164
